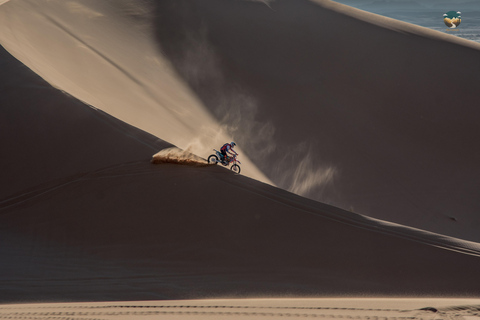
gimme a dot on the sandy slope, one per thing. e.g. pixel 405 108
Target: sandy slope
pixel 87 49
pixel 363 112
pixel 48 136
pixel 85 216
pixel 101 228
pixel 127 232
pixel 255 309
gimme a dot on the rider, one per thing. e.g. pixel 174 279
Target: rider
pixel 227 149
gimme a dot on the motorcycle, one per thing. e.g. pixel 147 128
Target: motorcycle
pixel 215 158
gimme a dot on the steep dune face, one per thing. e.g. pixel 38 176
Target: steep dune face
pixel 349 108
pixel 90 50
pixel 84 215
pixel 345 107
pixel 47 136
pixel 95 220
pixel 142 231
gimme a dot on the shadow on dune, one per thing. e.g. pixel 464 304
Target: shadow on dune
pixel 109 225
pixel 380 120
pixel 47 135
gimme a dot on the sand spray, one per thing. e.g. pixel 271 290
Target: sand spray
pixel 178 156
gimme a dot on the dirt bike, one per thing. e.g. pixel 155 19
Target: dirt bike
pixel 215 158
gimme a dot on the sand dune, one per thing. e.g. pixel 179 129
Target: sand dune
pixel 86 48
pixel 382 113
pixel 86 216
pixel 121 228
pixel 356 110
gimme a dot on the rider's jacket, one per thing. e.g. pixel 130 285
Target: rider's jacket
pixel 226 147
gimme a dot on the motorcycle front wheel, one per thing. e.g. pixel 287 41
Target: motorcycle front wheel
pixel 235 168
pixel 213 159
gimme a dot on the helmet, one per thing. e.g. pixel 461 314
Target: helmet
pixel 233 144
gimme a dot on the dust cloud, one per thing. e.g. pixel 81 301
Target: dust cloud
pixel 237 109
pixel 298 172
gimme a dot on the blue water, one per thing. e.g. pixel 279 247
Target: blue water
pixel 468 29
pixel 427 13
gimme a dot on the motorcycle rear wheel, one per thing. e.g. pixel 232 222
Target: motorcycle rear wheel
pixel 212 159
